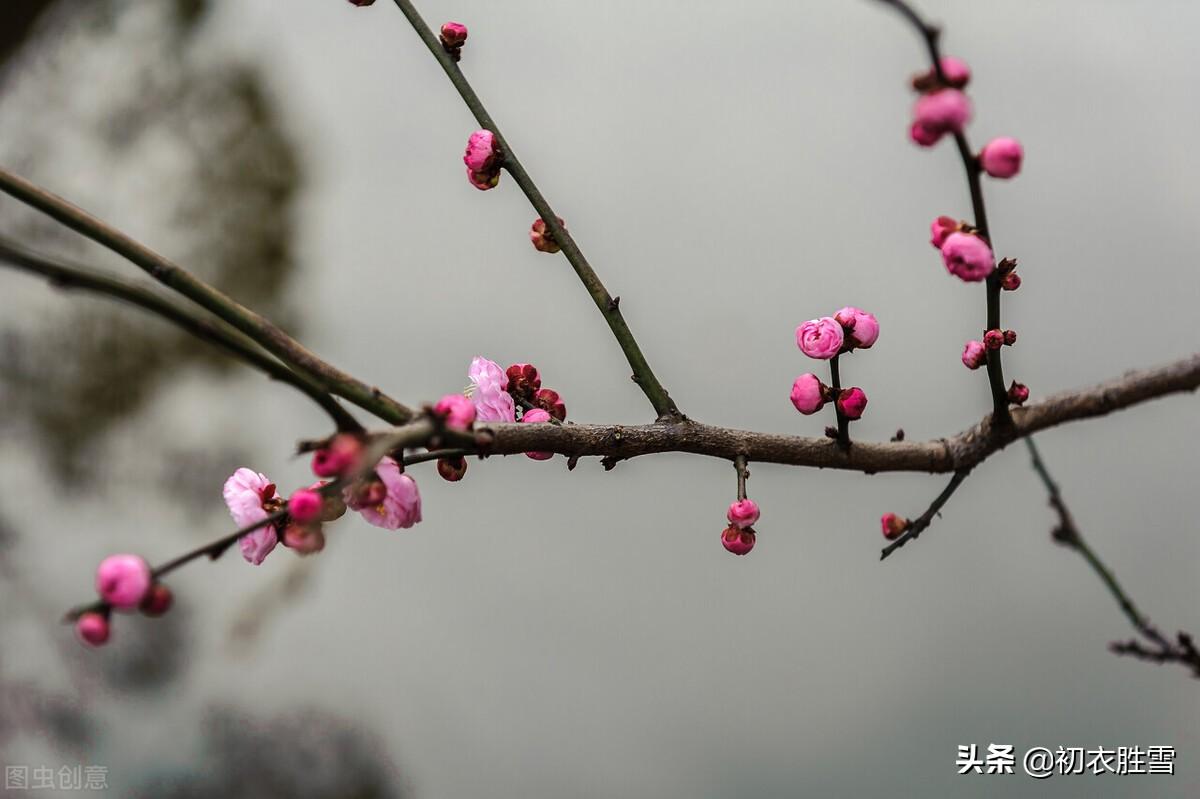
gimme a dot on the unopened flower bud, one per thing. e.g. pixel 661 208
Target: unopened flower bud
pixel 542 238
pixel 483 180
pixel 548 400
pixel 92 628
pixel 457 410
pixel 852 402
pixel 158 600
pixel 368 493
pixel 453 36
pixel 1010 282
pixel 123 580
pixel 537 416
pixel 305 505
pixel 523 381
pixel 482 158
pixel 452 469
pixel 974 354
pixel 893 525
pixel 860 328
pixel 743 514
pixel 968 257
pixel 737 540
pixel 1010 337
pixel 1018 393
pixel 809 394
pixel 1001 158
pixel 993 339
pixel 339 456
pixel 941 228
pixel 955 71
pixel 303 539
pixel 938 113
pixel 820 338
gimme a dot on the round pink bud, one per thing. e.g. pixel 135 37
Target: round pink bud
pixel 955 71
pixel 452 469
pixel 1010 337
pixel 737 540
pixel 943 111
pixel 453 34
pixel 743 514
pixel 123 580
pixel 809 394
pixel 305 505
pixel 523 380
pixel 1018 393
pixel 548 400
pixel 968 257
pixel 457 410
pixel 941 228
pixel 892 525
pixel 543 239
pixel 993 339
pixel 1010 282
pixel 820 338
pixel 1001 158
pixel 339 456
pixel 481 151
pixel 92 628
pixel 861 328
pixel 852 402
pixel 974 354
pixel 537 416
pixel 158 600
pixel 926 137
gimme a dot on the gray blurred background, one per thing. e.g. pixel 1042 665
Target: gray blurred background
pixel 731 170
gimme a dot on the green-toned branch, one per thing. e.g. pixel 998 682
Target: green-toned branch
pixel 608 305
pixel 65 276
pixel 262 330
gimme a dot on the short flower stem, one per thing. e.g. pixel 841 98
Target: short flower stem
pixel 843 424
pixel 609 306
pixel 743 474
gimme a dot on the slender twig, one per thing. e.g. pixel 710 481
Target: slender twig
pixel 843 424
pixel 931 35
pixel 917 526
pixel 743 474
pixel 608 305
pixel 65 276
pixel 262 330
pixel 1067 533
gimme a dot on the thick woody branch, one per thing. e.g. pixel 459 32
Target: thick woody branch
pixel 608 305
pixel 963 451
pixel 65 276
pixel 262 330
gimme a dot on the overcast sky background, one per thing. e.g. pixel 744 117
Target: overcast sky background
pixel 731 170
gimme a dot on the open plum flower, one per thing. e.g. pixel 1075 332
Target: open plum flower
pixel 400 506
pixel 251 497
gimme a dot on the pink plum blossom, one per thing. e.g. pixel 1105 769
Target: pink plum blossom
pixel 543 238
pixel 993 339
pixel 123 580
pixel 955 70
pixel 861 328
pixel 305 505
pixel 523 380
pixel 743 514
pixel 974 354
pixel 481 151
pixel 938 113
pixel 1001 158
pixel 401 507
pixel 457 410
pixel 489 392
pixel 247 494
pixel 339 456
pixel 820 338
pixel 537 416
pixel 809 394
pixel 92 628
pixel 942 227
pixel 968 257
pixel 548 400
pixel 454 34
pixel 737 540
pixel 852 402
pixel 923 136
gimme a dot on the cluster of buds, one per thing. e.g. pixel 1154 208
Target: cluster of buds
pixel 1006 271
pixel 739 536
pixel 124 583
pixel 941 107
pixel 498 394
pixel 542 237
pixel 483 159
pixel 453 37
pixel 827 338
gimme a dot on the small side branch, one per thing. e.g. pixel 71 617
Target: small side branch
pixel 917 526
